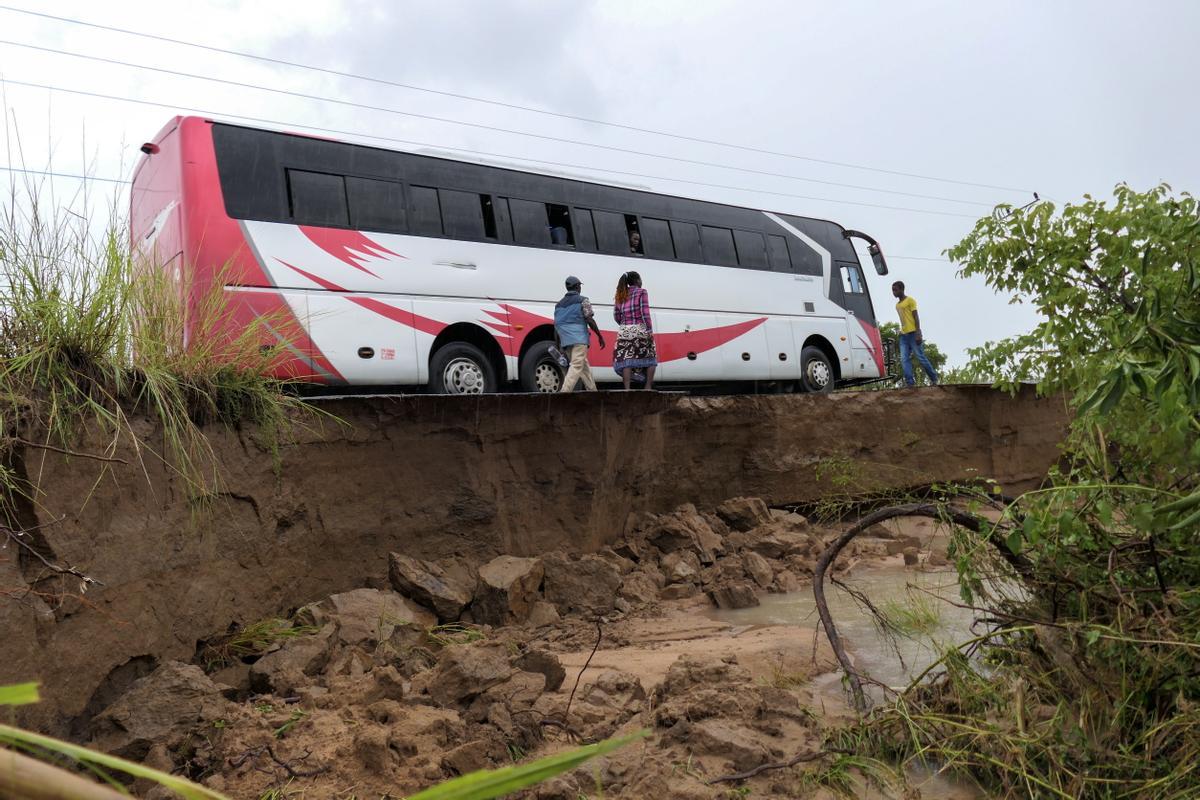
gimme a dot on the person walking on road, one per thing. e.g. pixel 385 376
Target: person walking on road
pixel 572 318
pixel 635 337
pixel 911 339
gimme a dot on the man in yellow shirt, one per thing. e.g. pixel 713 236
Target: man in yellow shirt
pixel 911 340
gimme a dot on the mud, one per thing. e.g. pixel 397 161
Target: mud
pixel 453 480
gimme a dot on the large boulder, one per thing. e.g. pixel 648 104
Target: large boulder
pixel 429 585
pixel 680 567
pixel 641 588
pixel 744 513
pixel 777 540
pixel 367 617
pixel 464 671
pixel 164 707
pixel 686 529
pixel 286 669
pixel 734 594
pixel 507 590
pixel 758 569
pixel 588 584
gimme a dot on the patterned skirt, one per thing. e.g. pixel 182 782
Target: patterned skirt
pixel 634 349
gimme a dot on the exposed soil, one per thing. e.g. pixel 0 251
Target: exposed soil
pixel 387 691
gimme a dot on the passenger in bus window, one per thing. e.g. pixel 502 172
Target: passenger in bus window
pixel 572 317
pixel 635 243
pixel 634 349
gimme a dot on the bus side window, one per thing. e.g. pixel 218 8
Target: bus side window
pixel 611 234
pixel 462 216
pixel 751 250
pixel 425 213
pixel 778 251
pixel 656 238
pixel 488 210
pixel 585 229
pixel 687 242
pixel 317 198
pixel 376 205
pixel 852 282
pixel 560 224
pixel 718 246
pixel 633 236
pixel 805 260
pixel 530 224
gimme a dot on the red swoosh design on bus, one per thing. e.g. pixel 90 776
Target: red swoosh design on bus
pixel 349 247
pixel 423 324
pixel 670 346
pixel 874 343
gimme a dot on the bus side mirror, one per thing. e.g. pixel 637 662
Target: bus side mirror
pixel 877 259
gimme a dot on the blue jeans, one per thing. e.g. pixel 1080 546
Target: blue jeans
pixel 908 346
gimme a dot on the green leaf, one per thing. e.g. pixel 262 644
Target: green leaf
pixel 19 694
pixel 181 786
pixel 1113 397
pixel 486 784
pixel 1014 541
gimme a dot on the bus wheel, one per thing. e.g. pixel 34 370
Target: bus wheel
pixel 461 368
pixel 816 370
pixel 539 372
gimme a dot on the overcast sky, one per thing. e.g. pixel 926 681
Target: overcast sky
pixel 1062 98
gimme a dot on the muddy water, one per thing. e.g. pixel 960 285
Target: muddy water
pixel 894 661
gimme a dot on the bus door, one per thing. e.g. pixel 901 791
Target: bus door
pixel 857 302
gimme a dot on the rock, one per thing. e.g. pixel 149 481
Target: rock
pixel 292 666
pixel 464 671
pixel 735 594
pixel 615 689
pixel 429 585
pixel 164 707
pixel 772 541
pixel 236 675
pixel 744 513
pixel 508 588
pixel 911 556
pixel 544 662
pixel 758 569
pixel 588 584
pixel 367 616
pixel 726 739
pixel 938 559
pixel 679 591
pixel 697 672
pixel 542 614
pixel 639 588
pixel 474 756
pixel 686 529
pixel 623 565
pixel 900 543
pixel 786 581
pixel 622 605
pixel 680 566
pixel 372 750
pixel 519 692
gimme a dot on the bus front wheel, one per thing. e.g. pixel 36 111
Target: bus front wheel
pixel 817 372
pixel 539 372
pixel 461 368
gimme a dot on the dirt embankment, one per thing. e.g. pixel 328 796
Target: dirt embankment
pixel 456 480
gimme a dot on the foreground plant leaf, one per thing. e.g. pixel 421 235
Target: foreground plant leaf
pixel 19 694
pixel 486 784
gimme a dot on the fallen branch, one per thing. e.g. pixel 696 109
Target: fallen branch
pixel 15 536
pixel 72 453
pixel 966 520
pixel 800 758
pixel 599 636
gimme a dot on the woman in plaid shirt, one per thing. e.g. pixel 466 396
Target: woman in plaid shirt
pixel 635 337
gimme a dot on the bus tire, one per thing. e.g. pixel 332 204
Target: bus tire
pixel 461 368
pixel 816 373
pixel 539 372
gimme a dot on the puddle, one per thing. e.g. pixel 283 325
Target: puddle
pixel 939 622
pixel 890 588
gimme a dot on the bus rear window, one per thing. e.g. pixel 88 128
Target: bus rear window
pixel 317 198
pixel 376 205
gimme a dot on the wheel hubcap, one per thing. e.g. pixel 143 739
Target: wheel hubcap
pixel 546 378
pixel 818 373
pixel 463 376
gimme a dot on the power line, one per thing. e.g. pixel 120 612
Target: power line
pixel 61 175
pixel 388 110
pixel 485 154
pixel 503 104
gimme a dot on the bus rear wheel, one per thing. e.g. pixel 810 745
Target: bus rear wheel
pixel 816 371
pixel 461 368
pixel 538 371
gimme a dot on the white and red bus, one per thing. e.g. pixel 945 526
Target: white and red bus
pixel 400 269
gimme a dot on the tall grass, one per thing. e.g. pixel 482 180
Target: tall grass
pixel 89 337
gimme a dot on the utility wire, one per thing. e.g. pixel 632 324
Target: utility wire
pixel 502 104
pixel 388 110
pixel 24 171
pixel 485 154
pixel 516 132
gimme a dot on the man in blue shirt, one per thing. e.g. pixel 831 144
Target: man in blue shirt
pixel 572 318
